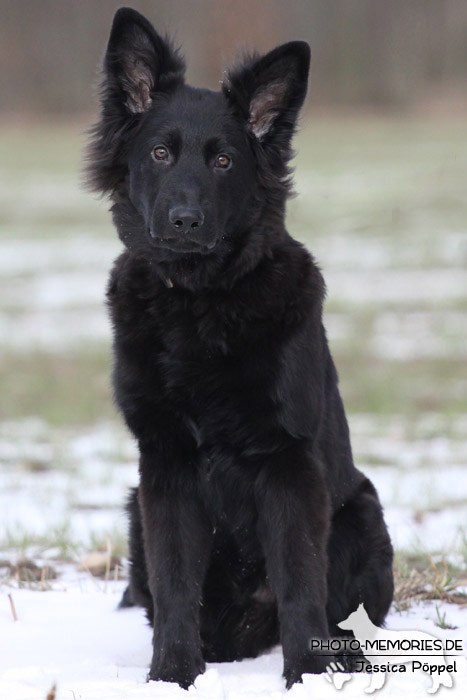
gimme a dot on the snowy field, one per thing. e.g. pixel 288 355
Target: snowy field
pixel 75 639
pixel 383 207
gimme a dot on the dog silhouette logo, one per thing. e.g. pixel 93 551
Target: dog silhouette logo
pixel 391 651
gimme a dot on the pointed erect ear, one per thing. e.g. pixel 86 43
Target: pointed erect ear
pixel 138 61
pixel 270 90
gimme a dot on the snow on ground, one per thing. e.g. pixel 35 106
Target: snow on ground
pixel 75 638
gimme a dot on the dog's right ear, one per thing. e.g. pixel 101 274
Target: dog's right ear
pixel 139 62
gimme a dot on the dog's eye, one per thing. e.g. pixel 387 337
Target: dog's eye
pixel 160 153
pixel 223 161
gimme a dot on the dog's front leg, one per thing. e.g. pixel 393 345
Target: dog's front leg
pixel 177 543
pixel 293 527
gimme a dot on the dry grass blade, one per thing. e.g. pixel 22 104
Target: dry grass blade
pixel 408 588
pixel 12 606
pixel 100 564
pixel 28 574
pixel 107 563
pixel 435 582
pixel 52 694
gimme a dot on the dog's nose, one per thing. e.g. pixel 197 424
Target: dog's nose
pixel 186 219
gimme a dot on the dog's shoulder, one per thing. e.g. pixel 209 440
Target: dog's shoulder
pixel 298 282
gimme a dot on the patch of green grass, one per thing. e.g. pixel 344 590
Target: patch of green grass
pixel 463 549
pixel 367 312
pixel 71 388
pixel 22 542
pixel 417 576
pixel 42 158
pixel 64 545
pixel 376 385
pixel 440 620
pixel 401 179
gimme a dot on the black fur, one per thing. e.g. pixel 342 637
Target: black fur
pixel 251 523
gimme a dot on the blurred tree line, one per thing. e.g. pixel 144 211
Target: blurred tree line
pixel 388 53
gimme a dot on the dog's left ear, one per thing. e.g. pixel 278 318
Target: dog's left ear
pixel 270 90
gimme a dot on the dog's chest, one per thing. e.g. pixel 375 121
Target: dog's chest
pixel 218 368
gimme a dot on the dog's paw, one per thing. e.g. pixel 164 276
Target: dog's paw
pixel 352 663
pixel 306 663
pixel 177 670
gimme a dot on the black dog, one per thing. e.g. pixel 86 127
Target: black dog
pixel 251 524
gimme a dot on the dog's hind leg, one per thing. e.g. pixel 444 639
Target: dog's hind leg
pixel 137 591
pixel 360 560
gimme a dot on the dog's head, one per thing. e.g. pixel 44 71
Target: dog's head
pixel 188 169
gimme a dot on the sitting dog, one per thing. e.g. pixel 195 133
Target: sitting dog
pixel 251 524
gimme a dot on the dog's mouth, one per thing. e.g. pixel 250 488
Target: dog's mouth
pixel 183 245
